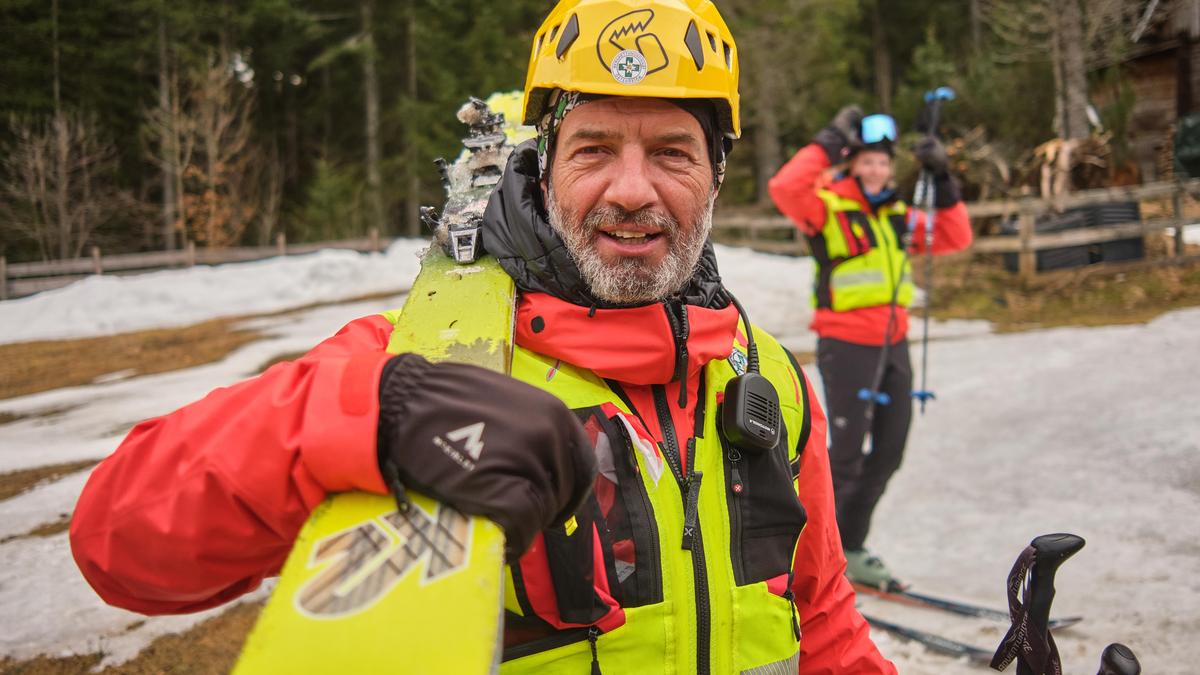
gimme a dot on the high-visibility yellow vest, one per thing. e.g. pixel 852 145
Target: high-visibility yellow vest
pixel 861 256
pixel 708 609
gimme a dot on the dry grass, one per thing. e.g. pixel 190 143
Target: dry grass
pixel 1089 296
pixel 31 367
pixel 210 648
pixel 14 483
pixel 45 413
pixel 44 530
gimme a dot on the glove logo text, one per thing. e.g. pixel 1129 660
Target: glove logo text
pixel 360 565
pixel 472 437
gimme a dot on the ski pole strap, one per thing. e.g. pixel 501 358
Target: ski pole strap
pixel 1033 644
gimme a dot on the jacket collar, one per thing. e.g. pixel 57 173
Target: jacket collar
pixel 636 345
pixel 848 187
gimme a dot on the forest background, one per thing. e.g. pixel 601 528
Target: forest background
pixel 139 125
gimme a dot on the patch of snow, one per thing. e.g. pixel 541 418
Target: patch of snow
pixel 108 304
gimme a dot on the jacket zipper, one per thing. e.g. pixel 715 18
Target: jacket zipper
pixel 689 485
pixel 737 489
pixel 593 634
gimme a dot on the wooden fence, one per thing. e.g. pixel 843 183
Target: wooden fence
pixel 775 233
pixel 21 279
pixel 772 233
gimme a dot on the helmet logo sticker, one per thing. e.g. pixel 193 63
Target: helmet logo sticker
pixel 628 49
pixel 629 67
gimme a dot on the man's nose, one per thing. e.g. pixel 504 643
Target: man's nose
pixel 630 186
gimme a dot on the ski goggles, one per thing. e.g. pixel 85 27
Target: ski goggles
pixel 877 129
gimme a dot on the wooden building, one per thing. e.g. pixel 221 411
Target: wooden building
pixel 1163 68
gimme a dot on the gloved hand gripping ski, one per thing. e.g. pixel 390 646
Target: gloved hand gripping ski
pixel 537 465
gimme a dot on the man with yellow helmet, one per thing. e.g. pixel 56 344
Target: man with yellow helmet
pixel 666 494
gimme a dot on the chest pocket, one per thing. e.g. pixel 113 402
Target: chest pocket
pixel 624 515
pixel 606 558
pixel 765 514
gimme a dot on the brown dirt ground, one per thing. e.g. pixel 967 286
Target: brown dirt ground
pixel 14 483
pixel 31 367
pixel 209 648
pixel 44 530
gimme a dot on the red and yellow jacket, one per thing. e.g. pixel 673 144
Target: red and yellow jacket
pixel 796 190
pixel 196 507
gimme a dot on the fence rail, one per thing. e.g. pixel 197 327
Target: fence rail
pixel 777 234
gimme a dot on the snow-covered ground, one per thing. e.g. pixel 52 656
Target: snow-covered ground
pixel 1093 431
pixel 102 305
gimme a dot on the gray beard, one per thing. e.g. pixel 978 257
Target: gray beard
pixel 631 281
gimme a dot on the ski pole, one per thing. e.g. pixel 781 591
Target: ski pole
pixel 1118 659
pixel 1028 640
pixel 925 193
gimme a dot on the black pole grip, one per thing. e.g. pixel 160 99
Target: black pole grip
pixel 1052 550
pixel 1118 659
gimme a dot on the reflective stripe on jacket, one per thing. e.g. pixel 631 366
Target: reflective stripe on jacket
pixel 860 255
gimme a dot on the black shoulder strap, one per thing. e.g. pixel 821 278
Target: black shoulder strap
pixel 806 425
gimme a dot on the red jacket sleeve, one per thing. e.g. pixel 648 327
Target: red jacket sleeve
pixel 196 507
pixel 834 636
pixel 794 189
pixel 951 229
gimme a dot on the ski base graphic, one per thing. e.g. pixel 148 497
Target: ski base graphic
pixel 369 589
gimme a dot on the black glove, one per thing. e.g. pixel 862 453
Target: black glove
pixel 945 191
pixel 841 133
pixel 932 155
pixel 485 444
pixel 847 122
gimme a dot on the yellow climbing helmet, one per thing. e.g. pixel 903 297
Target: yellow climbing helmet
pixel 651 48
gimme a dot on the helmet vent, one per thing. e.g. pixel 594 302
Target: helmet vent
pixel 692 39
pixel 554 32
pixel 728 55
pixel 712 41
pixel 569 35
pixel 541 39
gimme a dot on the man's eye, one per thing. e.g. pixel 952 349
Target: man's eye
pixel 674 153
pixel 590 150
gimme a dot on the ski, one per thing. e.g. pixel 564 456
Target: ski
pixel 372 587
pixel 934 642
pixel 913 599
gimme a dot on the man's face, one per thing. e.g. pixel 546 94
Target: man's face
pixel 873 168
pixel 631 194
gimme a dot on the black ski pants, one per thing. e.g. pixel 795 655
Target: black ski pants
pixel 860 474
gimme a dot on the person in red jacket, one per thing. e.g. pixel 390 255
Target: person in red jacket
pixel 603 224
pixel 838 191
